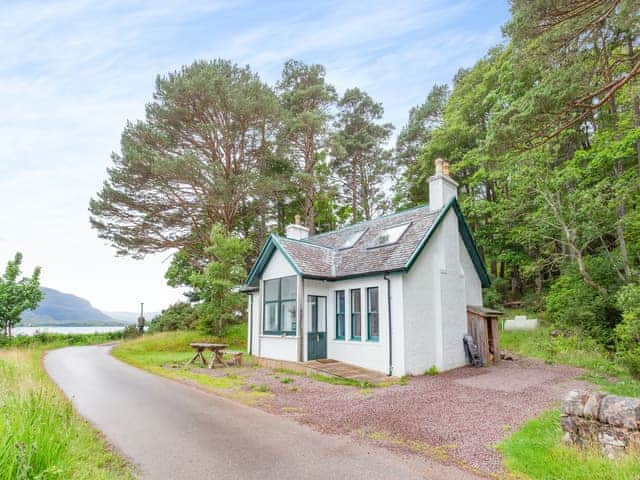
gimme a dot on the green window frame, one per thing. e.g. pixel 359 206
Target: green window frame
pixel 280 306
pixel 340 314
pixel 373 314
pixel 356 314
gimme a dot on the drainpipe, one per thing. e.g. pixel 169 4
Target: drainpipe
pixel 251 324
pixel 386 277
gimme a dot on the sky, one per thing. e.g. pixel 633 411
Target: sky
pixel 73 72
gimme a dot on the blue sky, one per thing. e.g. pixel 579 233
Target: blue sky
pixel 72 72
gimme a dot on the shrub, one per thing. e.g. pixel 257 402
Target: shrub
pixel 179 316
pixel 432 371
pixel 572 304
pixel 131 331
pixel 628 331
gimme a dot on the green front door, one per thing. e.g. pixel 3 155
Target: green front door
pixel 317 333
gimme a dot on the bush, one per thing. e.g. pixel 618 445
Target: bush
pixel 179 316
pixel 497 293
pixel 628 331
pixel 574 305
pixel 131 331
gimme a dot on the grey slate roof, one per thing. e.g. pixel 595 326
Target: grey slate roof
pixel 321 255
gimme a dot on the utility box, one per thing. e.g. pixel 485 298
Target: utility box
pixel 482 325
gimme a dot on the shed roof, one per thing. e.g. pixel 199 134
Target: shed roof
pixel 323 256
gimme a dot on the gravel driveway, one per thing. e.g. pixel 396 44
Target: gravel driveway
pixel 455 417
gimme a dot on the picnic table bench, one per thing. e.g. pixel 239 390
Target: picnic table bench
pixel 217 353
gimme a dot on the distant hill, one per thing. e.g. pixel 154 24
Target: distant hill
pixel 131 317
pixel 58 308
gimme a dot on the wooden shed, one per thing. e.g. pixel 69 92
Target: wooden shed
pixel 482 325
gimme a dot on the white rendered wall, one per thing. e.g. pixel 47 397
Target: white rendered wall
pixel 253 309
pixel 473 284
pixel 373 355
pixel 276 346
pixel 435 301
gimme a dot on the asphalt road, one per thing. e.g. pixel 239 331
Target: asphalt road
pixel 173 431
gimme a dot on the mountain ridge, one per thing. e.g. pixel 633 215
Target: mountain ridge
pixel 65 309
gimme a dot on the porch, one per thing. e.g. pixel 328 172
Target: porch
pixel 329 367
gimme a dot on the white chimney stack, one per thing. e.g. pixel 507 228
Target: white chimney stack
pixel 297 231
pixel 442 187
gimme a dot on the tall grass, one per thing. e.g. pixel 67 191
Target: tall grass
pixel 55 340
pixel 41 438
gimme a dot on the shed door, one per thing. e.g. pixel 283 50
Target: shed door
pixel 317 333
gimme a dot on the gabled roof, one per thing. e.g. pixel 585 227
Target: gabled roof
pixel 322 257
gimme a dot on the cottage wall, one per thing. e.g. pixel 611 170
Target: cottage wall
pixel 437 289
pixel 373 355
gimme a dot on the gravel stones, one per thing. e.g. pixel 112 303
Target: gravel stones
pixel 458 416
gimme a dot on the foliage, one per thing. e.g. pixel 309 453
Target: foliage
pixel 628 331
pixel 360 161
pixel 306 98
pixel 432 371
pixel 215 284
pixel 40 435
pixel 536 451
pixel 17 294
pixel 196 160
pixel 131 331
pixel 179 316
pixel 574 305
pixel 57 340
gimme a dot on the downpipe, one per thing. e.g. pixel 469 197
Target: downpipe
pixel 386 277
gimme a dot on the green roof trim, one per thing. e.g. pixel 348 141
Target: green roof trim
pixel 467 238
pixel 271 245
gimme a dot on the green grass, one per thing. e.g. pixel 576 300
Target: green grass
pixel 56 340
pixel 155 351
pixel 342 381
pixel 536 451
pixel 40 435
pixel 600 366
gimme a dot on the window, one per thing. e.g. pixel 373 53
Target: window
pixel 389 235
pixel 340 315
pixel 280 314
pixel 356 316
pixel 373 316
pixel 352 239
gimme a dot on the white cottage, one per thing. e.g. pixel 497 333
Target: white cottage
pixel 390 294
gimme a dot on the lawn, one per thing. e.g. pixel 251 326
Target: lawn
pixel 41 437
pixel 536 450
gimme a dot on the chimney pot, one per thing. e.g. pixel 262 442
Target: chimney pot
pixel 439 164
pixel 445 168
pixel 297 217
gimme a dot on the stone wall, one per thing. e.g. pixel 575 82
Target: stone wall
pixel 606 421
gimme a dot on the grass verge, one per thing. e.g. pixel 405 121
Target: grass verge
pixel 41 437
pixel 167 353
pixel 536 451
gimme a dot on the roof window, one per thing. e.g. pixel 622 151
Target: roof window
pixel 352 239
pixel 389 235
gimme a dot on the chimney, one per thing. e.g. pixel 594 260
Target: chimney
pixel 442 187
pixel 297 231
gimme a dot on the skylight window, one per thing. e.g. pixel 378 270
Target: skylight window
pixel 352 239
pixel 389 235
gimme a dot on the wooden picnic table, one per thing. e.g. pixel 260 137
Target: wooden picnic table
pixel 217 353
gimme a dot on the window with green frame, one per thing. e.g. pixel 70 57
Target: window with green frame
pixel 340 326
pixel 280 296
pixel 373 316
pixel 356 314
